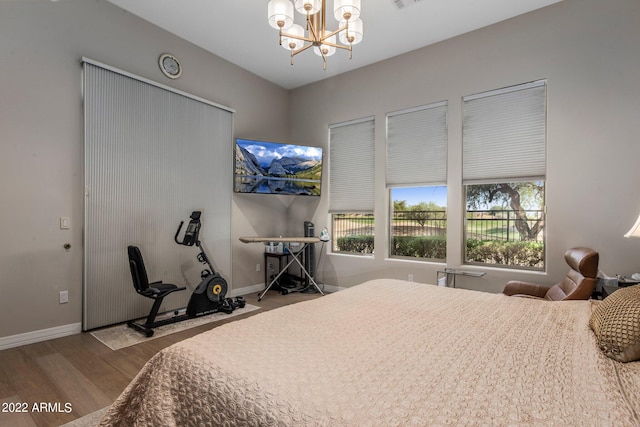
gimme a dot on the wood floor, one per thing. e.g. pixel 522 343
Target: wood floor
pixel 57 381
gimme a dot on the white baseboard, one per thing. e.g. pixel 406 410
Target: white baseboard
pixel 247 290
pixel 41 335
pixel 75 328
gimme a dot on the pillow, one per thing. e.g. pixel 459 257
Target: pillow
pixel 616 323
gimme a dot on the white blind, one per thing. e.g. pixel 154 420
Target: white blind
pixel 351 166
pixel 152 156
pixel 417 146
pixel 504 134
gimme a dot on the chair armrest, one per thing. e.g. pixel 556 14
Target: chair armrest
pixel 515 287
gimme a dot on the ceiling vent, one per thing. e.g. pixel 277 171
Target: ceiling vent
pixel 404 3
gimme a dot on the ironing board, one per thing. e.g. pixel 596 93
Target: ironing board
pixel 305 241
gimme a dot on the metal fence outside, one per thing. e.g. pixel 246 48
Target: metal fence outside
pixel 480 224
pixel 419 223
pixel 501 225
pixel 349 225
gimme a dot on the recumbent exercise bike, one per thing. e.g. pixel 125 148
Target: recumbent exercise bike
pixel 208 297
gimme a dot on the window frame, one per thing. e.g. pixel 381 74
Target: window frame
pixel 416 157
pixel 392 225
pixel 352 185
pixel 542 211
pixel 504 138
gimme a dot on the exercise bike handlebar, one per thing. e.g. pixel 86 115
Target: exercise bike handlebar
pixel 178 233
pixel 191 235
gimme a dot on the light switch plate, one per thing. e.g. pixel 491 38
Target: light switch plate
pixel 65 223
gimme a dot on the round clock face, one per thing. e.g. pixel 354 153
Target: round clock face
pixel 170 66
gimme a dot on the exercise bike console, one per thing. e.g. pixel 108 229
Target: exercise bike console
pixel 193 230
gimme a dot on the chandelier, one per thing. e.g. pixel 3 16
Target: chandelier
pixel 293 38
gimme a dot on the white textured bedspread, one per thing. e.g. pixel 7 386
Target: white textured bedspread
pixel 389 353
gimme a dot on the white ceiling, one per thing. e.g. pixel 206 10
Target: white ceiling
pixel 237 30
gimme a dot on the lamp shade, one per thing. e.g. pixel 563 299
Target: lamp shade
pixel 292 43
pixel 635 230
pixel 308 6
pixel 355 31
pixel 280 14
pixel 328 50
pixel 346 9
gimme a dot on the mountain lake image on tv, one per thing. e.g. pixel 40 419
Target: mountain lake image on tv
pixel 277 168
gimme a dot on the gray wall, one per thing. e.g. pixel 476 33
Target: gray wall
pixel 41 137
pixel 588 51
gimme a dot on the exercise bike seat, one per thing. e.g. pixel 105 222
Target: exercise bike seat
pixel 141 283
pixel 156 288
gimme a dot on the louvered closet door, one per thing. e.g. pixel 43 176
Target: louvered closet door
pixel 152 156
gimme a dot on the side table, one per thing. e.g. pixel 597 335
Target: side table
pixel 622 283
pixel 449 275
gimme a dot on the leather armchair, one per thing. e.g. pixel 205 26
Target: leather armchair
pixel 579 283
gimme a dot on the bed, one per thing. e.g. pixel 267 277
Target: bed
pixel 390 352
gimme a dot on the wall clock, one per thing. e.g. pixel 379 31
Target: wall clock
pixel 170 66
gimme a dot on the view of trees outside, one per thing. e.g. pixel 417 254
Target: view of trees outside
pixel 505 224
pixel 419 223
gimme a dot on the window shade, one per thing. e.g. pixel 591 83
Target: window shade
pixel 152 156
pixel 351 166
pixel 417 146
pixel 504 134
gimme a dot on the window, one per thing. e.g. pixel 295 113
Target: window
pixel 351 186
pixel 416 179
pixel 504 166
pixel 505 224
pixel 419 222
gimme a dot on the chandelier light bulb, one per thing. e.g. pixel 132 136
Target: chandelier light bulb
pixel 325 48
pixel 293 43
pixel 308 6
pixel 346 10
pixel 280 14
pixel 353 34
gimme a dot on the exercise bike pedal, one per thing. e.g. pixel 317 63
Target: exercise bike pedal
pixel 227 306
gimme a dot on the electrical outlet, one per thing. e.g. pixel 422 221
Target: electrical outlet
pixel 64 297
pixel 410 277
pixel 258 267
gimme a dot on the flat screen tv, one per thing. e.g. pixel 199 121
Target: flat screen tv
pixel 276 168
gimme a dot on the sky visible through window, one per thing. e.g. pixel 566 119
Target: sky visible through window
pixel 415 195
